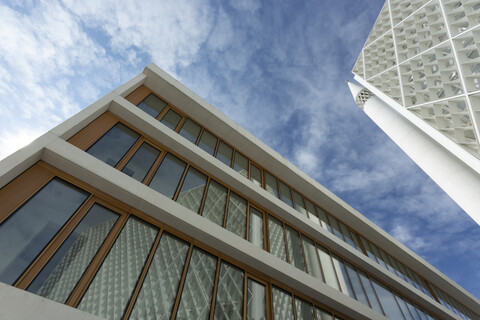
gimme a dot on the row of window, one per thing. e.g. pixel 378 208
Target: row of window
pixel 231 157
pixel 174 178
pixel 145 272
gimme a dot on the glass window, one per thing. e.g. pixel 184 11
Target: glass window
pixel 282 304
pixel 237 215
pixel 241 164
pixel 390 306
pixel 139 165
pixel 214 208
pixel 113 145
pixel 342 276
pixel 198 288
pixel 229 301
pixel 276 238
pixel 312 215
pixel 346 234
pixel 191 193
pixel 152 105
pixel 357 285
pixel 62 272
pixel 372 297
pixel 190 130
pixel 303 309
pixel 404 308
pixel 299 206
pixel 285 194
pixel 130 249
pixel 366 245
pixel 255 232
pixel 256 301
pixel 160 287
pixel 323 219
pixel 256 175
pixel 378 256
pixel 311 258
pixel 335 227
pixel 323 315
pixel 354 237
pixel 171 119
pixel 208 142
pixel 27 231
pixel 328 271
pixel 271 184
pixel 295 248
pixel 168 176
pixel 225 153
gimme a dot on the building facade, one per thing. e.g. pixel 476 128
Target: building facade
pixel 421 61
pixel 151 204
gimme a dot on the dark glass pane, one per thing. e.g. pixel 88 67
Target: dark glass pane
pixel 241 164
pixel 285 195
pixel 322 215
pixel 60 275
pixel 191 194
pixel 312 214
pixel 403 306
pixel 357 285
pixel 342 276
pixel 214 208
pixel 190 130
pixel 168 175
pixel 304 309
pixel 346 234
pixel 323 315
pixel 271 184
pixel 256 175
pixel 198 288
pixel 299 206
pixel 229 301
pixel 367 285
pixel 171 119
pixel 328 271
pixel 208 142
pixel 225 153
pixel 366 245
pixel 114 144
pixel 390 306
pixel 112 287
pixel 295 248
pixel 256 301
pixel 152 105
pixel 237 215
pixel 141 162
pixel 256 228
pixel 155 299
pixel 282 304
pixel 27 231
pixel 335 227
pixel 276 238
pixel 312 260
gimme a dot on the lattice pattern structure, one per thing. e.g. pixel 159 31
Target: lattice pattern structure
pixel 402 9
pixel 358 68
pixel 363 96
pixel 388 82
pixel 462 15
pixel 467 46
pixel 381 26
pixel 380 55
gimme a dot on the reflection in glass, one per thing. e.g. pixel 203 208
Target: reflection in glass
pixel 168 176
pixel 225 153
pixel 285 194
pixel 113 288
pixel 31 227
pixel 357 286
pixel 390 306
pixel 299 206
pixel 208 142
pixel 282 304
pixel 198 288
pixel 324 219
pixel 237 215
pixel 295 248
pixel 171 119
pixel 372 297
pixel 256 301
pixel 312 214
pixel 241 164
pixel 335 227
pixel 155 299
pixel 139 165
pixel 214 208
pixel 342 276
pixel 152 105
pixel 60 275
pixel 191 194
pixel 328 271
pixel 190 130
pixel 323 315
pixel 311 258
pixel 229 301
pixel 271 184
pixel 346 234
pixel 256 175
pixel 404 308
pixel 113 145
pixel 304 309
pixel 276 238
pixel 255 232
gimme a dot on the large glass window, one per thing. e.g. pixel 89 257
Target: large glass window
pixel 304 309
pixel 311 258
pixel 357 285
pixel 342 276
pixel 336 227
pixel 168 176
pixel 299 206
pixel 282 304
pixel 256 301
pixel 276 238
pixel 198 288
pixel 29 229
pixel 171 119
pixel 141 162
pixel 328 271
pixel 60 275
pixel 372 297
pixel 160 287
pixel 229 300
pixel 241 164
pixel 152 105
pixel 113 145
pixel 256 175
pixel 323 315
pixel 271 184
pixel 237 215
pixel 322 215
pixel 312 214
pixel 190 130
pixel 225 153
pixel 112 288
pixel 214 208
pixel 255 232
pixel 208 142
pixel 390 306
pixel 191 193
pixel 285 194
pixel 295 248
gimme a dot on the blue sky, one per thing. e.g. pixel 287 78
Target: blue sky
pixel 275 67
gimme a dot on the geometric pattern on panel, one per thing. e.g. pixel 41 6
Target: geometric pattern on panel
pixel 358 67
pixel 363 96
pixel 462 15
pixel 401 9
pixel 467 46
pixel 389 83
pixel 380 55
pixel 381 26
